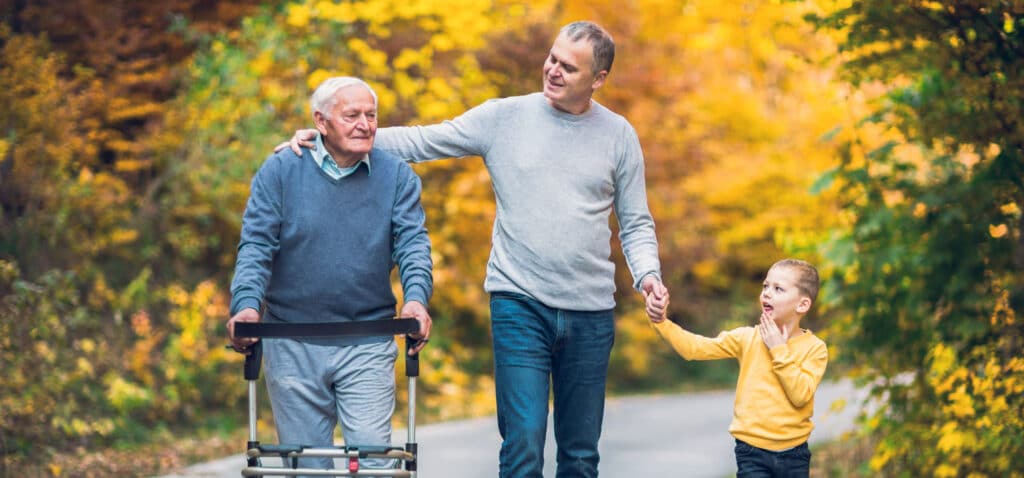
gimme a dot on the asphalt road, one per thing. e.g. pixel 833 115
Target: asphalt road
pixel 653 435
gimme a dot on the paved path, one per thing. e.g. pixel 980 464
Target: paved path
pixel 658 435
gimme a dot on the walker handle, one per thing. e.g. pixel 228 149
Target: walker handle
pixel 253 361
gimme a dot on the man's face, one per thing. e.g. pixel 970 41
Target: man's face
pixel 349 131
pixel 568 78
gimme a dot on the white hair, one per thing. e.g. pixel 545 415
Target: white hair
pixel 324 98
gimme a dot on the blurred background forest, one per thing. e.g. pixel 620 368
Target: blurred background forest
pixel 882 140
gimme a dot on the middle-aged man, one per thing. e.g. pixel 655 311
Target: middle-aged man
pixel 320 237
pixel 560 163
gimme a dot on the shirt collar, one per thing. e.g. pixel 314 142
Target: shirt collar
pixel 321 152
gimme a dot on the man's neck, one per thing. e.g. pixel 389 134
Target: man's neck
pixel 574 109
pixel 344 160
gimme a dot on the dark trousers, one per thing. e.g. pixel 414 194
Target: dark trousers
pixel 754 462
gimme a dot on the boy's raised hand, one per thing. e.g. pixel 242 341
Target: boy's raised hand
pixel 770 332
pixel 302 137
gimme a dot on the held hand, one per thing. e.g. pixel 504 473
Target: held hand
pixel 657 298
pixel 770 332
pixel 302 137
pixel 417 311
pixel 241 344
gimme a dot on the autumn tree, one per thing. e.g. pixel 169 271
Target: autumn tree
pixel 931 264
pixel 81 126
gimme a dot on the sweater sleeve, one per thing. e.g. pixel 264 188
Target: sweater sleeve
pixel 260 240
pixel 469 134
pixel 697 347
pixel 411 251
pixel 799 376
pixel 636 226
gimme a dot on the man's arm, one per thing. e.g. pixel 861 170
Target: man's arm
pixel 259 243
pixel 411 253
pixel 636 226
pixel 469 134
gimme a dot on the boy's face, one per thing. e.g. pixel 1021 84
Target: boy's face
pixel 780 298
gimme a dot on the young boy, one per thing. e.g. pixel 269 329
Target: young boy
pixel 780 368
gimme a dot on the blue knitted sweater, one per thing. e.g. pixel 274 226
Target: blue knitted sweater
pixel 317 249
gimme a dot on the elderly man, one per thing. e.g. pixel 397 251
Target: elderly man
pixel 560 163
pixel 320 237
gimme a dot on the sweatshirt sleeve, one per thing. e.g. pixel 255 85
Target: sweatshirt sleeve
pixel 469 134
pixel 411 251
pixel 799 376
pixel 260 239
pixel 636 226
pixel 697 347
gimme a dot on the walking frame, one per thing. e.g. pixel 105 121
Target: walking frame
pixel 290 453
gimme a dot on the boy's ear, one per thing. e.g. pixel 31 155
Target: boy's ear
pixel 804 305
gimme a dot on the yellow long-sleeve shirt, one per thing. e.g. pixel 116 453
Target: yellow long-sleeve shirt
pixel 775 389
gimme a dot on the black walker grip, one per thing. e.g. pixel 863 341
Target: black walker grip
pixel 412 362
pixel 253 361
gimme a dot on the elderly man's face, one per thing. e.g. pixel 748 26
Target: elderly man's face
pixel 568 78
pixel 349 131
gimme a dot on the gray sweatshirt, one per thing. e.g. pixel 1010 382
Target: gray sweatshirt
pixel 556 177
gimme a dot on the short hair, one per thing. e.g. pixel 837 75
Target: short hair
pixel 807 280
pixel 600 40
pixel 325 96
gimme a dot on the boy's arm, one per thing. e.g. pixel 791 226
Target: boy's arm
pixel 697 347
pixel 799 379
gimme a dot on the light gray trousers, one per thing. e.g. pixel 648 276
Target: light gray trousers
pixel 315 385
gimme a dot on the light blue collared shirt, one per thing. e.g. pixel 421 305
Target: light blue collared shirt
pixel 328 165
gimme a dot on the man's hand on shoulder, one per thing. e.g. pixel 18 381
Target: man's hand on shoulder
pixel 418 311
pixel 302 138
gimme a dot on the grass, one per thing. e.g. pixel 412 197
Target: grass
pixel 843 458
pixel 151 459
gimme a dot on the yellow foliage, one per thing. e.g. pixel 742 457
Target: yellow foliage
pixel 317 77
pixel 951 438
pixel 946 471
pixel 997 231
pixel 881 457
pixel 942 359
pixel 124 395
pixel 299 15
pixel 920 210
pixel 84 366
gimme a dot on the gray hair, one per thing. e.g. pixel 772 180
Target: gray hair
pixel 325 96
pixel 600 40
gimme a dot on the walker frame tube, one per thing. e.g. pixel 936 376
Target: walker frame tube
pixel 291 453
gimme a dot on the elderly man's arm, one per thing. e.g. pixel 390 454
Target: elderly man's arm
pixel 259 243
pixel 411 253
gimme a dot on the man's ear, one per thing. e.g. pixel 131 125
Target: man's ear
pixel 320 120
pixel 804 305
pixel 599 79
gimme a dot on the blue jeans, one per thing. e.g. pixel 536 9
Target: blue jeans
pixel 535 345
pixel 754 462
